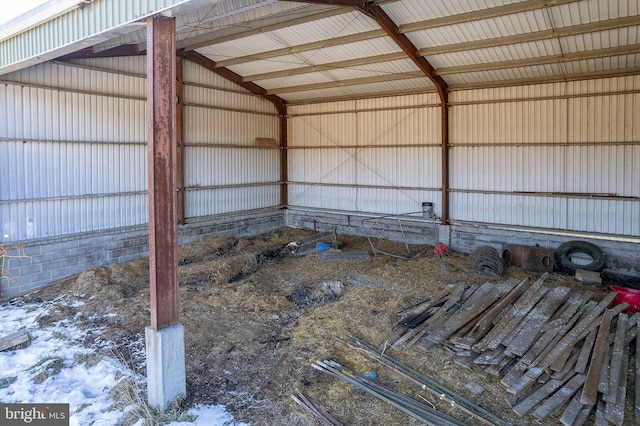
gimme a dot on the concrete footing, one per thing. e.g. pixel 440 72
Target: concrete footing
pixel 166 376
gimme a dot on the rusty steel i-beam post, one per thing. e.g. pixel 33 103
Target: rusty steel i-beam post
pixel 162 163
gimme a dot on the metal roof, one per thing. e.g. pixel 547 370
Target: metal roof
pixel 316 50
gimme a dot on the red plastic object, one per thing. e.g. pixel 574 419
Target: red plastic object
pixel 440 249
pixel 629 295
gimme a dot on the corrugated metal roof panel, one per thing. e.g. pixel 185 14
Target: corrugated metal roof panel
pixel 601 39
pixel 341 74
pixel 409 11
pixel 510 52
pixel 372 89
pixel 504 74
pixel 322 29
pixel 479 30
pixel 359 49
pixel 96 22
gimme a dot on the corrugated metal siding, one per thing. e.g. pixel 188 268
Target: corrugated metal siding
pixel 206 202
pixel 72 152
pixel 224 169
pixel 195 74
pixel 374 155
pixel 97 17
pixel 567 162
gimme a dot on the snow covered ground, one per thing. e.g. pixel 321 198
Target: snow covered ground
pixel 54 368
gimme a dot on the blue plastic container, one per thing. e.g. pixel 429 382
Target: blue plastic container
pixel 322 247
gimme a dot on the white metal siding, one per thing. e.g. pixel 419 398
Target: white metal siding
pixel 567 160
pixel 375 155
pixel 225 171
pixel 72 152
pixel 195 74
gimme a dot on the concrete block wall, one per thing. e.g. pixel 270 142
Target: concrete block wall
pixel 42 262
pixel 413 230
pixel 54 259
pixel 620 252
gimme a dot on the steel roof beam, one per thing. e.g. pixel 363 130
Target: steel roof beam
pixel 122 50
pixel 387 24
pixel 609 24
pixel 207 63
pixel 380 16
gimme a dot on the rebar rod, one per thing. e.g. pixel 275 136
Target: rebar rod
pixel 430 385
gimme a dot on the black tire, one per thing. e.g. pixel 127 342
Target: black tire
pixel 564 252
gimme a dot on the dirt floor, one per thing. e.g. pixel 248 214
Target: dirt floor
pixel 256 317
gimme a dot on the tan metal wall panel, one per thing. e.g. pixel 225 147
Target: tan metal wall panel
pixel 225 170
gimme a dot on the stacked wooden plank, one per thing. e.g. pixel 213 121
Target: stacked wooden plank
pixel 553 347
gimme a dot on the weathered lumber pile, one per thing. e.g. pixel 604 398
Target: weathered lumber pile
pixel 554 347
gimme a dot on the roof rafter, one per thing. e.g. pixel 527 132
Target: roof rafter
pixel 380 16
pixel 207 63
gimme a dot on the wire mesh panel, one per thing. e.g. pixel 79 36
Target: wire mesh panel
pixel 402 236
